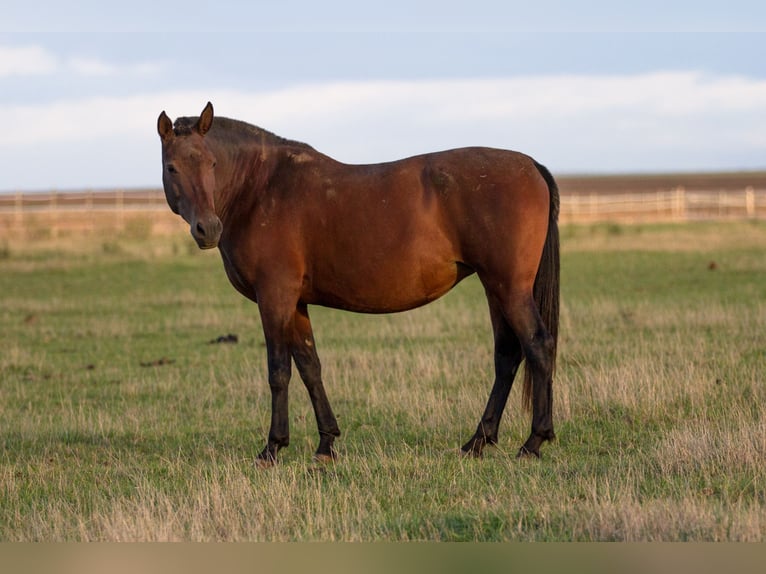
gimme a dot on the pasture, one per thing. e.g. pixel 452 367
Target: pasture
pixel 128 413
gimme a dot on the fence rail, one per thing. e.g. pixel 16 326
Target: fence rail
pixel 677 204
pixel 111 200
pixel 57 214
pixel 54 214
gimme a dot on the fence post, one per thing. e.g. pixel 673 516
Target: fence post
pixel 679 207
pixel 18 212
pixel 750 201
pixel 120 210
pixel 55 210
pixel 89 209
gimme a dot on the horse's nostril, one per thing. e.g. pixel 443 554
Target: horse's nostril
pixel 206 231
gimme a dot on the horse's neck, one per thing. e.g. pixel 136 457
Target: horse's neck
pixel 243 173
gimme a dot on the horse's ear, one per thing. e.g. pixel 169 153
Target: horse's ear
pixel 205 120
pixel 164 127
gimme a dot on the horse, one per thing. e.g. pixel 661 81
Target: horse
pixel 296 228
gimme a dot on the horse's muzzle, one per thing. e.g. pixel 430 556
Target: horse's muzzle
pixel 207 231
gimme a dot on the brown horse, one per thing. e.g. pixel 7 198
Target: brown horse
pixel 297 228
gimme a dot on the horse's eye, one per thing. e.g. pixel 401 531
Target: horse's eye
pixel 172 169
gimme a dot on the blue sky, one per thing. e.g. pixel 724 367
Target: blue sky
pixel 585 87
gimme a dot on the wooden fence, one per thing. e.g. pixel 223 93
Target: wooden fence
pixel 678 204
pixel 61 214
pixel 145 212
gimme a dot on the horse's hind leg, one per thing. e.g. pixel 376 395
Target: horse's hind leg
pixel 538 347
pixel 508 356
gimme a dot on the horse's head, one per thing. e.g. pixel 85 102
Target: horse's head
pixel 188 176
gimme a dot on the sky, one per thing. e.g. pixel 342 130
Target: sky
pixel 585 87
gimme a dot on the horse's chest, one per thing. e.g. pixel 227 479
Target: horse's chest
pixel 239 275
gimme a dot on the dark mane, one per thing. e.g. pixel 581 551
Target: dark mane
pixel 231 131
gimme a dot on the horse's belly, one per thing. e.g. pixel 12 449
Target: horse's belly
pixel 387 289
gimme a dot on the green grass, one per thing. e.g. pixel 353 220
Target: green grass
pixel 120 421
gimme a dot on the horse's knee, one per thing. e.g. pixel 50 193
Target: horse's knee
pixel 279 379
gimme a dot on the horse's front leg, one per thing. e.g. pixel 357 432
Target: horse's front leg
pixel 306 359
pixel 279 378
pixel 277 328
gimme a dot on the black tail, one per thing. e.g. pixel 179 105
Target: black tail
pixel 546 290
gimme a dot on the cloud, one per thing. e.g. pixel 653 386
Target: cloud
pixel 95 67
pixel 646 122
pixel 525 102
pixel 25 61
pixel 90 67
pixel 37 61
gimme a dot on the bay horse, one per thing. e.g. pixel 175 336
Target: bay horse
pixel 295 228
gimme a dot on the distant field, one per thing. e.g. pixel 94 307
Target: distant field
pixel 121 419
pixel 651 183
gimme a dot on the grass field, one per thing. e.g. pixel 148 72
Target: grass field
pixel 120 420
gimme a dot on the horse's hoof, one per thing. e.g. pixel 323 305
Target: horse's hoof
pixel 471 453
pixel 524 452
pixel 264 463
pixel 322 458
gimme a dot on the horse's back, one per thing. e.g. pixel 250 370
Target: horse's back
pixel 457 185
